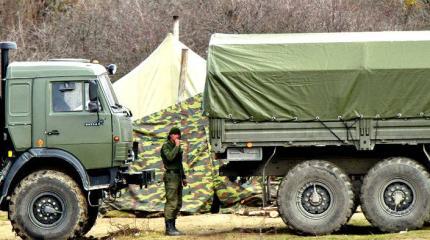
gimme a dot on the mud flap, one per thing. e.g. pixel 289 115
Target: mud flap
pixel 141 178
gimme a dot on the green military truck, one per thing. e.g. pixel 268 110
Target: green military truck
pixel 65 145
pixel 344 118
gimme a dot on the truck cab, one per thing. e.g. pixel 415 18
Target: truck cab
pixel 66 143
pixel 48 106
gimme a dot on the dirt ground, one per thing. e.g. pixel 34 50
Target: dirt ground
pixel 197 225
pixel 221 226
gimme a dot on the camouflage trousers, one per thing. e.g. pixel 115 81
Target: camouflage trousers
pixel 173 187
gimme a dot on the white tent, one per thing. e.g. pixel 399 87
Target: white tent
pixel 154 84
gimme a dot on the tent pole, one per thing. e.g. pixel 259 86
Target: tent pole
pixel 183 73
pixel 176 27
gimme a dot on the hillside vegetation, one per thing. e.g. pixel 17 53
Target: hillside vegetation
pixel 126 31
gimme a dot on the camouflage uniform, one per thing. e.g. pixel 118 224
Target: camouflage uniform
pixel 172 160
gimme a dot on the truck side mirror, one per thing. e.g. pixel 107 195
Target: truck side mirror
pixel 93 91
pixel 111 68
pixel 93 105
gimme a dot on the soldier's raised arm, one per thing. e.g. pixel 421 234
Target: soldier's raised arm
pixel 170 153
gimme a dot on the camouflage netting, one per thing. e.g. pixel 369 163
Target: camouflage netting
pixel 201 170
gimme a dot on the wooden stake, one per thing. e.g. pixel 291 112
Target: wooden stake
pixel 183 73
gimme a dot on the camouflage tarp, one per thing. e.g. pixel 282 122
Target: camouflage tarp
pixel 201 170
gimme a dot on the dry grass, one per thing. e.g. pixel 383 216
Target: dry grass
pixel 357 229
pixel 223 226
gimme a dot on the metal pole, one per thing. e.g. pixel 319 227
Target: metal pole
pixel 4 47
pixel 176 27
pixel 265 183
pixel 4 62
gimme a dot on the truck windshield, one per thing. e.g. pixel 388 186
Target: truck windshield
pixel 107 88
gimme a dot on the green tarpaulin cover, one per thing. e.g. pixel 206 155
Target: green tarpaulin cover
pixel 318 76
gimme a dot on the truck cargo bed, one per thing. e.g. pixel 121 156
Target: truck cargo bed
pixel 364 134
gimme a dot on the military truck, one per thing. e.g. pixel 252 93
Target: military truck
pixel 343 118
pixel 65 145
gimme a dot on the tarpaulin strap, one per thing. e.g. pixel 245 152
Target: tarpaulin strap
pixel 334 134
pixel 376 130
pixel 348 132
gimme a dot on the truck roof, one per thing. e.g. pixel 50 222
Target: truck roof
pixel 53 69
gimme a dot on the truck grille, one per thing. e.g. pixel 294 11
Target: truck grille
pixel 122 151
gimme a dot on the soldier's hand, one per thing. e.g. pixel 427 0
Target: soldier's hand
pixel 177 142
pixel 184 182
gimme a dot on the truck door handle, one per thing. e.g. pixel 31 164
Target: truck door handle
pixel 53 132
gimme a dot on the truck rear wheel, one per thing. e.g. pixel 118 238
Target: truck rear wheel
pixel 315 197
pixel 356 188
pixel 48 204
pixel 395 195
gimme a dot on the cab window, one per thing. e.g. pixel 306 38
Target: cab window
pixel 67 96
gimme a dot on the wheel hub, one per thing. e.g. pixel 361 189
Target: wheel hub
pixel 398 196
pixel 47 209
pixel 315 198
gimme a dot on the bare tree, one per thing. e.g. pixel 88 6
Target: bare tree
pixel 127 31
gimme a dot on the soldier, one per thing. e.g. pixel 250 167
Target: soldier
pixel 174 179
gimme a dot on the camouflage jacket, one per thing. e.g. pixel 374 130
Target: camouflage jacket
pixel 172 157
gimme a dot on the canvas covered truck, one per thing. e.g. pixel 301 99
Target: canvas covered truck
pixel 65 144
pixel 343 118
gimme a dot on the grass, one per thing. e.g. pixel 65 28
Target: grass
pixel 3 216
pixel 118 214
pixel 356 229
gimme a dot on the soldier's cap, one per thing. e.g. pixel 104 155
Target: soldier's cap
pixel 175 130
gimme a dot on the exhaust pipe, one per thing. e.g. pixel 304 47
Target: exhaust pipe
pixel 5 47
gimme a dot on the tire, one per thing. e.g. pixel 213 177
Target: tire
pixel 335 198
pixel 92 219
pixel 393 177
pixel 35 200
pixel 356 188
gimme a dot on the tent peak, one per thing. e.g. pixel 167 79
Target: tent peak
pixel 176 27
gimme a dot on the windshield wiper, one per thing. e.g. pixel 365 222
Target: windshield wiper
pixel 126 110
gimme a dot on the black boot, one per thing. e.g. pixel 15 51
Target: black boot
pixel 170 230
pixel 174 227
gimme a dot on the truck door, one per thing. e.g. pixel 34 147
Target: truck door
pixel 71 127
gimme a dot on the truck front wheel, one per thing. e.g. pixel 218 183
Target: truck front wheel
pixel 315 197
pixel 48 204
pixel 92 218
pixel 395 195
